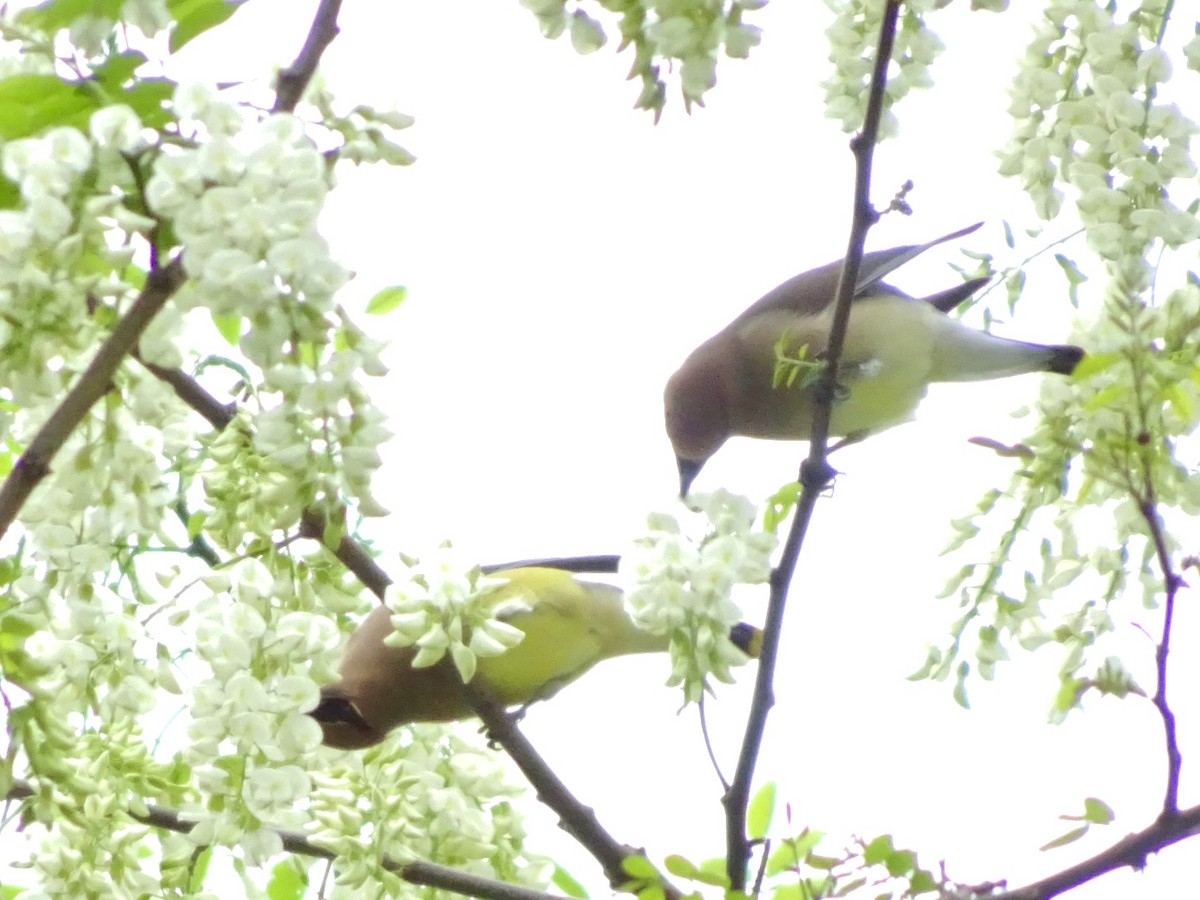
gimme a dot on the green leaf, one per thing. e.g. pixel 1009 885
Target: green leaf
pixel 10 194
pixel 387 300
pixel 147 97
pixel 194 17
pixel 286 883
pixel 195 524
pixel 229 327
pixel 1074 277
pixel 1097 811
pixel 779 506
pixel 200 863
pixel 1068 838
pixel 1105 397
pixel 16 626
pixel 565 882
pixel 712 871
pixel 117 70
pixel 922 882
pixel 680 866
pixel 56 14
pixel 793 852
pixel 760 812
pixel 639 867
pixel 335 530
pixel 900 863
pixel 1070 690
pixel 30 103
pixel 878 850
pixel 1095 363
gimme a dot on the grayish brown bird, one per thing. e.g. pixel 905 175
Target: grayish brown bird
pixel 896 345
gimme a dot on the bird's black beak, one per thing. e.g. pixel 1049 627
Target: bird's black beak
pixel 688 470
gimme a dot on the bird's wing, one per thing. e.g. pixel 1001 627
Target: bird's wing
pixel 948 299
pixel 566 626
pixel 810 293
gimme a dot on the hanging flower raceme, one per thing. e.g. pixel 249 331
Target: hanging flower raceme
pixel 684 584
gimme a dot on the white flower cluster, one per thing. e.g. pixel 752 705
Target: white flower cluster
pixel 853 41
pixel 250 737
pixel 244 202
pixel 428 793
pixel 87 640
pixel 445 608
pixel 685 585
pixel 1085 115
pixel 49 246
pixel 693 32
pixel 81 859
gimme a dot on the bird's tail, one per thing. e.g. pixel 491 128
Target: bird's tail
pixel 964 354
pixel 1064 358
pixel 747 638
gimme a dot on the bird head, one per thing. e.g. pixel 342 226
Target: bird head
pixel 342 722
pixel 697 414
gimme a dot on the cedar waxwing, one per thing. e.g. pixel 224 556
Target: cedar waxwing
pixel 895 347
pixel 569 626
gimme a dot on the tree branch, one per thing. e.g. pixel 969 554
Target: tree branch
pixel 1131 851
pixel 575 819
pixel 417 872
pixel 1162 650
pixel 93 383
pixel 815 473
pixel 292 80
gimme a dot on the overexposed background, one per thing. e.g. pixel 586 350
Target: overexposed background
pixel 563 254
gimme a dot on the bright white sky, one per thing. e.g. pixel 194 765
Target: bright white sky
pixel 563 255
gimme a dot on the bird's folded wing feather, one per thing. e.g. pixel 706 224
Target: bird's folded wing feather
pixel 812 292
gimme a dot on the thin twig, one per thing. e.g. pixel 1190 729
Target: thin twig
pixel 815 473
pixel 417 872
pixel 292 80
pixel 94 383
pixel 1162 650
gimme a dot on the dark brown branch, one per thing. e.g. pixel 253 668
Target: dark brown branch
pixel 292 80
pixel 94 383
pixel 1162 650
pixel 189 391
pixel 1147 502
pixel 815 473
pixel 1132 851
pixel 417 872
pixel 575 819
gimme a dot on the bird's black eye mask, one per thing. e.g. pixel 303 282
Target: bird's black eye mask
pixel 333 709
